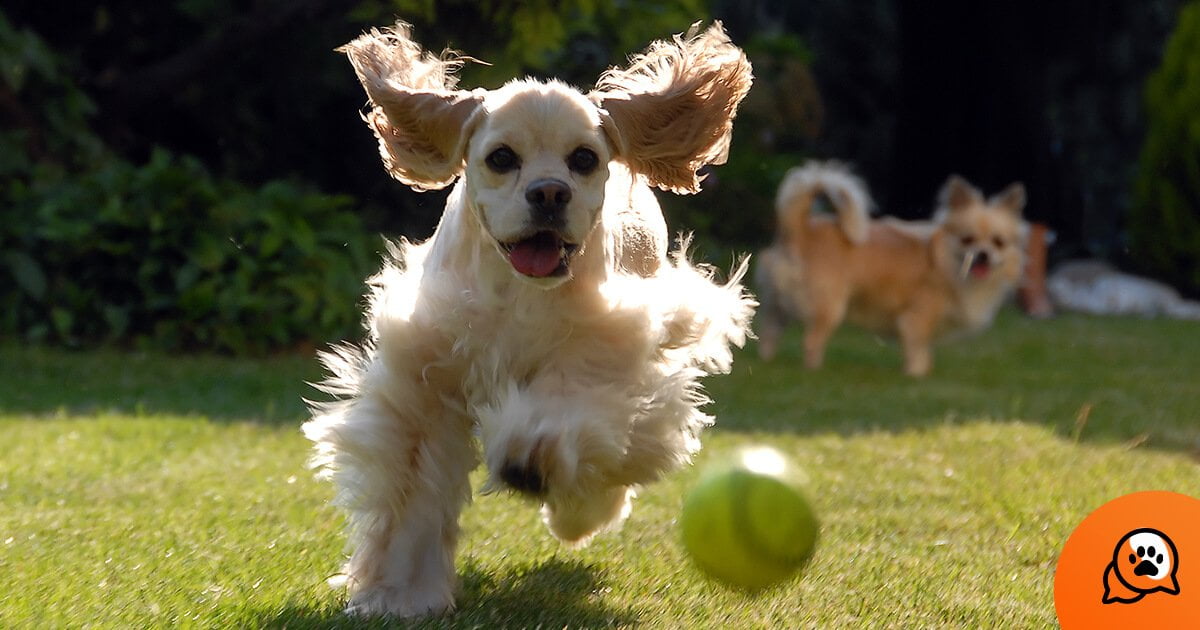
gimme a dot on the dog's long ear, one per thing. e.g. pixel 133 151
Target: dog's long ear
pixel 671 111
pixel 958 194
pixel 422 122
pixel 1011 199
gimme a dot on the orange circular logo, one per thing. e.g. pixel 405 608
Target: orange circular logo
pixel 1132 563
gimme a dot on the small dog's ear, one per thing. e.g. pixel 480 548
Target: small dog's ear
pixel 1011 199
pixel 958 194
pixel 671 111
pixel 422 122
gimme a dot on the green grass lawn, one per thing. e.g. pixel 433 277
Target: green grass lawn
pixel 142 490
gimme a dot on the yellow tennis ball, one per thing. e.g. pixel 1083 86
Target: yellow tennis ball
pixel 748 522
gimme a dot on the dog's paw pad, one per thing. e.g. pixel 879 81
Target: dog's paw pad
pixel 525 478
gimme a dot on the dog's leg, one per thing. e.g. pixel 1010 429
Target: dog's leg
pixel 771 322
pixel 818 327
pixel 771 319
pixel 401 467
pixel 541 437
pixel 574 519
pixel 770 329
pixel 563 445
pixel 916 336
pixel 627 438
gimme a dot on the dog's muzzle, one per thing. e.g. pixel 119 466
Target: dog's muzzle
pixel 978 264
pixel 544 253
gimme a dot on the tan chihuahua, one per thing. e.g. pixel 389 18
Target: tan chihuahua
pixel 918 281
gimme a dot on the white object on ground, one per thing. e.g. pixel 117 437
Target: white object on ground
pixel 1093 286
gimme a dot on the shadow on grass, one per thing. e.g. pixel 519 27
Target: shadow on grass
pixel 1109 380
pixel 48 382
pixel 553 594
pixel 1088 378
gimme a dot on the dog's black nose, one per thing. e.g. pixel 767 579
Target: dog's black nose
pixel 548 197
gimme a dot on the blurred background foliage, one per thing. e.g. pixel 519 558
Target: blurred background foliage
pixel 1164 228
pixel 155 250
pixel 194 173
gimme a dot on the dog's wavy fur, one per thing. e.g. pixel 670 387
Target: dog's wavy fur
pixel 917 280
pixel 573 388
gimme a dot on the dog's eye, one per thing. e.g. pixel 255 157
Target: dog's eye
pixel 582 160
pixel 967 240
pixel 998 242
pixel 502 160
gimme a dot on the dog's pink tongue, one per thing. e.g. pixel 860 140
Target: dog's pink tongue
pixel 537 256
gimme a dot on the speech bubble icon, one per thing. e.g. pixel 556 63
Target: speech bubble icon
pixel 1144 561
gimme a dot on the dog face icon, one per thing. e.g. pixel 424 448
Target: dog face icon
pixel 1144 561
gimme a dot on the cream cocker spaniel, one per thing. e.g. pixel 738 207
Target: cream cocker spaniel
pixel 543 328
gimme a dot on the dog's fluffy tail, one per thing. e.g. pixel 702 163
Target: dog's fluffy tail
pixel 845 190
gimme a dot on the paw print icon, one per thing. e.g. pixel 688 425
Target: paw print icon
pixel 1144 561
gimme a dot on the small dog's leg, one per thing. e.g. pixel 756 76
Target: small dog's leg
pixel 771 322
pixel 771 318
pixel 918 358
pixel 769 333
pixel 403 477
pixel 817 330
pixel 916 337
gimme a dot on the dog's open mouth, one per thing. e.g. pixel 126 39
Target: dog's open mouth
pixel 543 255
pixel 981 265
pixel 978 265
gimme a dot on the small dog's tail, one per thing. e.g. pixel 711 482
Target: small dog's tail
pixel 845 191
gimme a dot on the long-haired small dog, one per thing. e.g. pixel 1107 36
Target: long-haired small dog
pixel 543 328
pixel 915 280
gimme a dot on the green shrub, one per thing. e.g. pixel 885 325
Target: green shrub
pixel 165 255
pixel 1164 224
pixel 94 249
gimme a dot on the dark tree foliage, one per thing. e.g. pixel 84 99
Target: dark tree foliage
pixel 1164 224
pixel 256 91
pixel 1046 92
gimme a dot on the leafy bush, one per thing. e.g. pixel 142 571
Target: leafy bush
pixel 1164 225
pixel 166 255
pixel 96 249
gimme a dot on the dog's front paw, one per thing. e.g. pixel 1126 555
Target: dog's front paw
pixel 528 466
pixel 542 444
pixel 575 519
pixel 394 601
pixel 526 478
